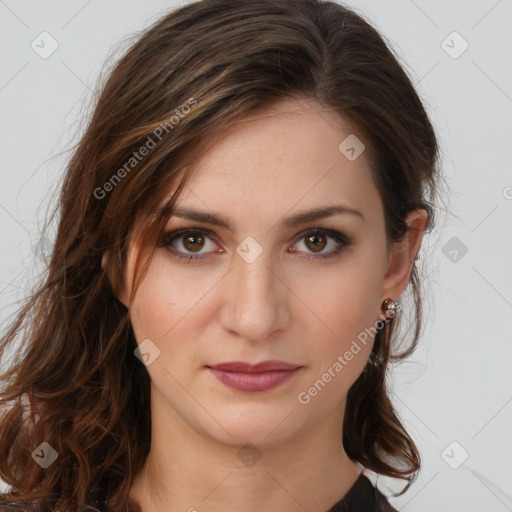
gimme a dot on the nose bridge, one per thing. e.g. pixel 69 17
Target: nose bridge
pixel 256 277
pixel 256 305
pixel 253 267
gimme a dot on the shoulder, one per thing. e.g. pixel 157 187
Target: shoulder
pixel 363 496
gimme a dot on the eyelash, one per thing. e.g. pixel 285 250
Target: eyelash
pixel 168 239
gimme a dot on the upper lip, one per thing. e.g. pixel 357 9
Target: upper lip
pixel 263 366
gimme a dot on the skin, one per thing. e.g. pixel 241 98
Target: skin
pixel 280 306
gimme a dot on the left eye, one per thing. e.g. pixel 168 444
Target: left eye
pixel 316 241
pixel 195 240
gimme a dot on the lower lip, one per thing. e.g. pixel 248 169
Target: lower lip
pixel 244 381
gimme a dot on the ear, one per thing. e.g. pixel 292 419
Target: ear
pixel 104 266
pixel 403 254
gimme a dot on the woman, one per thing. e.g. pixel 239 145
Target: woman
pixel 235 228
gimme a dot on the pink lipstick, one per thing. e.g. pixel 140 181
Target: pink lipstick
pixel 254 377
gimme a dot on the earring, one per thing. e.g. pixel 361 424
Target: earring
pixel 389 305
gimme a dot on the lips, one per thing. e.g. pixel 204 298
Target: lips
pixel 264 366
pixel 248 377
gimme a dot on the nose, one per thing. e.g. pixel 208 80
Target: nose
pixel 255 300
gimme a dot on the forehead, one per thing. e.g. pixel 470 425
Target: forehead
pixel 284 158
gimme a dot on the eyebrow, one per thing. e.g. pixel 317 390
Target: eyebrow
pixel 291 221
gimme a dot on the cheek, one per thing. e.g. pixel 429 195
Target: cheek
pixel 345 301
pixel 170 308
pixel 346 307
pixel 341 353
pixel 166 298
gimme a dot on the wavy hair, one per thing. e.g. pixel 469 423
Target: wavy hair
pixel 73 381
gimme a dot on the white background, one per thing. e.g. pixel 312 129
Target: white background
pixel 458 386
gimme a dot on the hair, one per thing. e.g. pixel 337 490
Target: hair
pixel 73 381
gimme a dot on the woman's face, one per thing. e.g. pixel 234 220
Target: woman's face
pixel 277 284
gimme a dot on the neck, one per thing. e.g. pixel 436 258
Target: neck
pixel 188 471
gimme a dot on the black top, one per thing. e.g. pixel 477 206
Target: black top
pixel 363 496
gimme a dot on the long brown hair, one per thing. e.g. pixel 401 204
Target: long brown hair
pixel 73 381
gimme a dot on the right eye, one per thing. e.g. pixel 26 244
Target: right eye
pixel 183 240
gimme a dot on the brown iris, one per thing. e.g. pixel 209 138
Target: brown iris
pixel 317 242
pixel 193 242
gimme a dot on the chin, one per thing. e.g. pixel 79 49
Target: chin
pixel 254 431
